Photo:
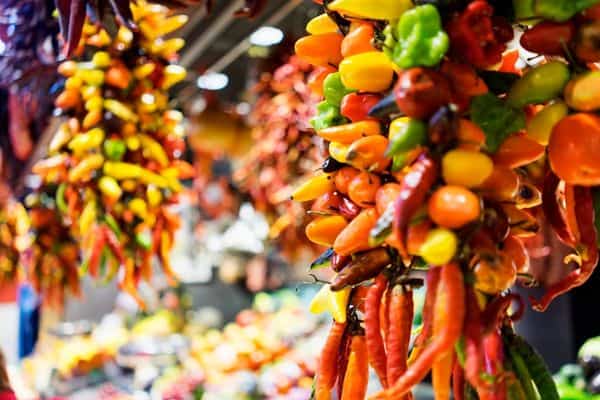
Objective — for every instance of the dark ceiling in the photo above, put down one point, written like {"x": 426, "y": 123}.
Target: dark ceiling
{"x": 210, "y": 38}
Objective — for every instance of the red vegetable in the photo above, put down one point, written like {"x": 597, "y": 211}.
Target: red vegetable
{"x": 327, "y": 367}
{"x": 548, "y": 38}
{"x": 400, "y": 317}
{"x": 375, "y": 346}
{"x": 356, "y": 106}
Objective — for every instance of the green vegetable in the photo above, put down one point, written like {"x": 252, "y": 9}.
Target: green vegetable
{"x": 399, "y": 161}
{"x": 523, "y": 374}
{"x": 112, "y": 224}
{"x": 539, "y": 85}
{"x": 592, "y": 346}
{"x": 114, "y": 149}
{"x": 418, "y": 39}
{"x": 334, "y": 90}
{"x": 567, "y": 392}
{"x": 59, "y": 198}
{"x": 459, "y": 348}
{"x": 524, "y": 9}
{"x": 383, "y": 227}
{"x": 521, "y": 351}
{"x": 406, "y": 134}
{"x": 497, "y": 119}
{"x": 324, "y": 260}
{"x": 144, "y": 239}
{"x": 327, "y": 115}
{"x": 561, "y": 10}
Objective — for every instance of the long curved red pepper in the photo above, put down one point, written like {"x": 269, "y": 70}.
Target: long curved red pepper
{"x": 398, "y": 340}
{"x": 96, "y": 253}
{"x": 431, "y": 283}
{"x": 494, "y": 360}
{"x": 588, "y": 249}
{"x": 473, "y": 332}
{"x": 552, "y": 211}
{"x": 458, "y": 381}
{"x": 495, "y": 311}
{"x": 375, "y": 346}
{"x": 453, "y": 282}
{"x": 414, "y": 187}
{"x": 327, "y": 367}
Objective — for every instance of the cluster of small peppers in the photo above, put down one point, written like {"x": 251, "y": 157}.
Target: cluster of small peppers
{"x": 115, "y": 159}
{"x": 14, "y": 228}
{"x": 283, "y": 152}
{"x": 51, "y": 256}
{"x": 444, "y": 158}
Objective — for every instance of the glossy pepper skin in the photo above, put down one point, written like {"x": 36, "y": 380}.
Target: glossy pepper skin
{"x": 478, "y": 36}
{"x": 560, "y": 10}
{"x": 418, "y": 39}
{"x": 328, "y": 115}
{"x": 356, "y": 106}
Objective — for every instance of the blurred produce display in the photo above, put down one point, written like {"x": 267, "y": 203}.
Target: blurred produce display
{"x": 283, "y": 152}
{"x": 115, "y": 159}
{"x": 447, "y": 150}
{"x": 581, "y": 381}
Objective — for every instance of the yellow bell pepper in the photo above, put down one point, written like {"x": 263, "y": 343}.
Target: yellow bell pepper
{"x": 153, "y": 150}
{"x": 122, "y": 170}
{"x": 369, "y": 72}
{"x": 339, "y": 151}
{"x": 82, "y": 171}
{"x": 89, "y": 140}
{"x": 313, "y": 188}
{"x": 371, "y": 9}
{"x": 321, "y": 24}
{"x": 110, "y": 188}
{"x": 87, "y": 218}
{"x": 333, "y": 302}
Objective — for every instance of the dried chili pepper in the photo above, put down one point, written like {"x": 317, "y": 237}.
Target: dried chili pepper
{"x": 363, "y": 267}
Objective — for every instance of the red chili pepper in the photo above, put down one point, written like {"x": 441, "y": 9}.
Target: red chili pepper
{"x": 414, "y": 187}
{"x": 478, "y": 36}
{"x": 494, "y": 360}
{"x": 431, "y": 283}
{"x": 401, "y": 318}
{"x": 551, "y": 206}
{"x": 339, "y": 262}
{"x": 473, "y": 332}
{"x": 458, "y": 381}
{"x": 327, "y": 367}
{"x": 548, "y": 37}
{"x": 114, "y": 245}
{"x": 587, "y": 249}
{"x": 342, "y": 360}
{"x": 452, "y": 281}
{"x": 375, "y": 346}
{"x": 348, "y": 209}
{"x": 495, "y": 312}
{"x": 357, "y": 372}
{"x": 356, "y": 106}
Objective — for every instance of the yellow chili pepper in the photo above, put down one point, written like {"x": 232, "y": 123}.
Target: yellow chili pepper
{"x": 87, "y": 92}
{"x": 94, "y": 103}
{"x": 122, "y": 170}
{"x": 369, "y": 72}
{"x": 313, "y": 188}
{"x": 321, "y": 24}
{"x": 91, "y": 119}
{"x": 120, "y": 110}
{"x": 60, "y": 138}
{"x": 89, "y": 140}
{"x": 124, "y": 37}
{"x": 150, "y": 178}
{"x": 372, "y": 9}
{"x": 87, "y": 218}
{"x": 93, "y": 77}
{"x": 168, "y": 25}
{"x": 110, "y": 188}
{"x": 172, "y": 74}
{"x": 133, "y": 143}
{"x": 172, "y": 177}
{"x": 82, "y": 171}
{"x": 153, "y": 150}
{"x": 138, "y": 207}
{"x": 333, "y": 302}
{"x": 101, "y": 59}
{"x": 339, "y": 151}
{"x": 153, "y": 195}
{"x": 144, "y": 70}
{"x": 540, "y": 126}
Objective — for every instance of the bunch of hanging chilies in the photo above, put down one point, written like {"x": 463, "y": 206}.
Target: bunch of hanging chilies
{"x": 444, "y": 158}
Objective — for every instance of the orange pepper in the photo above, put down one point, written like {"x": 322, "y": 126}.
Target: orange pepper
{"x": 363, "y": 189}
{"x": 518, "y": 150}
{"x": 369, "y": 153}
{"x": 343, "y": 177}
{"x": 502, "y": 184}
{"x": 359, "y": 40}
{"x": 386, "y": 195}
{"x": 316, "y": 78}
{"x": 349, "y": 133}
{"x": 324, "y": 230}
{"x": 355, "y": 236}
{"x": 470, "y": 135}
{"x": 118, "y": 76}
{"x": 321, "y": 50}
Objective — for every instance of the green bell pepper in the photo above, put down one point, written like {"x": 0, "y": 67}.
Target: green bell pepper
{"x": 406, "y": 134}
{"x": 418, "y": 39}
{"x": 327, "y": 115}
{"x": 334, "y": 90}
{"x": 114, "y": 149}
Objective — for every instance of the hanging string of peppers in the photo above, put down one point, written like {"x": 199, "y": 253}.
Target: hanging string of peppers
{"x": 443, "y": 158}
{"x": 283, "y": 152}
{"x": 115, "y": 160}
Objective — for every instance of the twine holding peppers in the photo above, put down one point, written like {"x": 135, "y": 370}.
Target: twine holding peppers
{"x": 115, "y": 160}
{"x": 444, "y": 157}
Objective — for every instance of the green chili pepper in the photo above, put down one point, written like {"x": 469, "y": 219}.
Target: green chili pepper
{"x": 144, "y": 239}
{"x": 334, "y": 90}
{"x": 539, "y": 85}
{"x": 418, "y": 39}
{"x": 406, "y": 134}
{"x": 327, "y": 115}
{"x": 114, "y": 149}
{"x": 324, "y": 260}
{"x": 59, "y": 198}
{"x": 561, "y": 10}
{"x": 112, "y": 224}
{"x": 524, "y": 9}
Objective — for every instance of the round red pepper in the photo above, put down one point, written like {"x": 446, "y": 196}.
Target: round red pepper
{"x": 356, "y": 106}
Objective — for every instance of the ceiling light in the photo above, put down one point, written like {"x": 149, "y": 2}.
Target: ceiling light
{"x": 213, "y": 81}
{"x": 266, "y": 36}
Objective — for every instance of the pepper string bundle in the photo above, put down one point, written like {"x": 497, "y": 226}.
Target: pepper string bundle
{"x": 444, "y": 158}
{"x": 14, "y": 227}
{"x": 283, "y": 153}
{"x": 115, "y": 159}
